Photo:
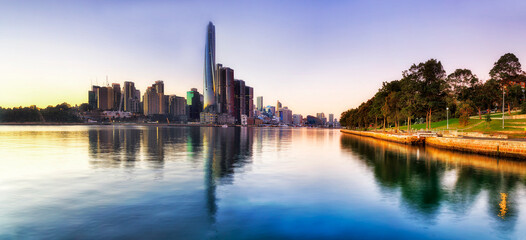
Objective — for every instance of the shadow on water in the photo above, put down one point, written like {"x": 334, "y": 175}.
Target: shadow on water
{"x": 432, "y": 180}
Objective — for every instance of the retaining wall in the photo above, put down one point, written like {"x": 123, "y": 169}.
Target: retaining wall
{"x": 516, "y": 149}
{"x": 405, "y": 139}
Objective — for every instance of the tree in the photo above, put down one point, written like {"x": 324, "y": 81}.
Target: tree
{"x": 461, "y": 84}
{"x": 430, "y": 77}
{"x": 506, "y": 69}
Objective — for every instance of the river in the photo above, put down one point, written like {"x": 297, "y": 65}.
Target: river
{"x": 147, "y": 182}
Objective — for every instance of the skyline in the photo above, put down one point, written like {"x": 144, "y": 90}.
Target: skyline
{"x": 53, "y": 51}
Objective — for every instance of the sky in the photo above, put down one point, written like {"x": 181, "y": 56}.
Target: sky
{"x": 313, "y": 56}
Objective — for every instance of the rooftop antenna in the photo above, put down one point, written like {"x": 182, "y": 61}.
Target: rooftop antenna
{"x": 107, "y": 83}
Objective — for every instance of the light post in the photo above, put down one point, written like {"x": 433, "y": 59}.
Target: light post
{"x": 502, "y": 107}
{"x": 447, "y": 117}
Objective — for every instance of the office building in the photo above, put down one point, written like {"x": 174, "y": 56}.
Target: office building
{"x": 177, "y": 107}
{"x": 297, "y": 119}
{"x": 194, "y": 104}
{"x": 131, "y": 98}
{"x": 239, "y": 99}
{"x": 278, "y": 107}
{"x": 209, "y": 74}
{"x": 117, "y": 96}
{"x": 249, "y": 101}
{"x": 104, "y": 98}
{"x": 285, "y": 115}
{"x": 154, "y": 100}
{"x": 259, "y": 105}
{"x": 92, "y": 97}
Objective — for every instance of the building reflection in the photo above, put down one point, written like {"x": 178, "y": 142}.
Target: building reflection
{"x": 113, "y": 147}
{"x": 430, "y": 179}
{"x": 220, "y": 151}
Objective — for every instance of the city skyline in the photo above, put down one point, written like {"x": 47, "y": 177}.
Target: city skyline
{"x": 52, "y": 52}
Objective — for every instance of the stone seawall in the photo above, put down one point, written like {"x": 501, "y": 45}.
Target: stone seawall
{"x": 405, "y": 139}
{"x": 515, "y": 149}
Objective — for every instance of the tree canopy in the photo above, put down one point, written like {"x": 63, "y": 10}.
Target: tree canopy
{"x": 425, "y": 91}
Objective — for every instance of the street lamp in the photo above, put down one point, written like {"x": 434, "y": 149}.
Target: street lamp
{"x": 502, "y": 107}
{"x": 447, "y": 117}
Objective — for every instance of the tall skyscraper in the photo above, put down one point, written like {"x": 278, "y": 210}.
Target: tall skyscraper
{"x": 154, "y": 100}
{"x": 239, "y": 102}
{"x": 131, "y": 98}
{"x": 260, "y": 103}
{"x": 209, "y": 75}
{"x": 278, "y": 107}
{"x": 104, "y": 98}
{"x": 229, "y": 91}
{"x": 249, "y": 101}
{"x": 92, "y": 97}
{"x": 116, "y": 96}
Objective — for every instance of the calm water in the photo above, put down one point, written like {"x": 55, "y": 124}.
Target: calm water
{"x": 90, "y": 182}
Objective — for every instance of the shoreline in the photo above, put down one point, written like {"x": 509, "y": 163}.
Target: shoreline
{"x": 140, "y": 124}
{"x": 115, "y": 124}
{"x": 488, "y": 147}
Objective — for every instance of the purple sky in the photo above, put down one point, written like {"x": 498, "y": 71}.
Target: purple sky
{"x": 314, "y": 56}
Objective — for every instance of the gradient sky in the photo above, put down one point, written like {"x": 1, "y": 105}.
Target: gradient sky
{"x": 314, "y": 56}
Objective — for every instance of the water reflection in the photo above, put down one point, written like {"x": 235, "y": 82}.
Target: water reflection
{"x": 431, "y": 181}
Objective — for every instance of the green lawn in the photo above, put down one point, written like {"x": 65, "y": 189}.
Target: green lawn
{"x": 475, "y": 125}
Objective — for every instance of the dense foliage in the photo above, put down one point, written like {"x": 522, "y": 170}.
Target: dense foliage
{"x": 60, "y": 113}
{"x": 425, "y": 92}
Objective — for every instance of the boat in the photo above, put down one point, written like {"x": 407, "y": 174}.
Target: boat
{"x": 224, "y": 126}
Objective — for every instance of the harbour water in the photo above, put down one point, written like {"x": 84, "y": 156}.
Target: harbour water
{"x": 147, "y": 182}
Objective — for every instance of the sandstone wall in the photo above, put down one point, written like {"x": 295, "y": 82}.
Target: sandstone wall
{"x": 405, "y": 139}
{"x": 504, "y": 148}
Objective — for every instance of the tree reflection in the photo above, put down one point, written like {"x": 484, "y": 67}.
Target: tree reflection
{"x": 430, "y": 179}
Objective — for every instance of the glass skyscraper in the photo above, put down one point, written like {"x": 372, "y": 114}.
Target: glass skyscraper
{"x": 209, "y": 91}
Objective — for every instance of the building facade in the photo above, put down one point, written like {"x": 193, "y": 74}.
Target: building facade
{"x": 209, "y": 74}
{"x": 194, "y": 105}
{"x": 259, "y": 105}
{"x": 154, "y": 101}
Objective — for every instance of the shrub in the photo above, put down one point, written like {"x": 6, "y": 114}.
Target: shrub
{"x": 465, "y": 111}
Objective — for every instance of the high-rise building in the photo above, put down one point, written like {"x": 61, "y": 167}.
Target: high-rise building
{"x": 249, "y": 101}
{"x": 92, "y": 97}
{"x": 209, "y": 75}
{"x": 239, "y": 99}
{"x": 278, "y": 107}
{"x": 260, "y": 103}
{"x": 219, "y": 84}
{"x": 229, "y": 91}
{"x": 154, "y": 99}
{"x": 193, "y": 102}
{"x": 116, "y": 96}
{"x": 285, "y": 115}
{"x": 322, "y": 118}
{"x": 297, "y": 119}
{"x": 104, "y": 98}
{"x": 131, "y": 98}
{"x": 177, "y": 107}
{"x": 331, "y": 118}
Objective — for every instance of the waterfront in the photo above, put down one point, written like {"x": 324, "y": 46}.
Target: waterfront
{"x": 101, "y": 182}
